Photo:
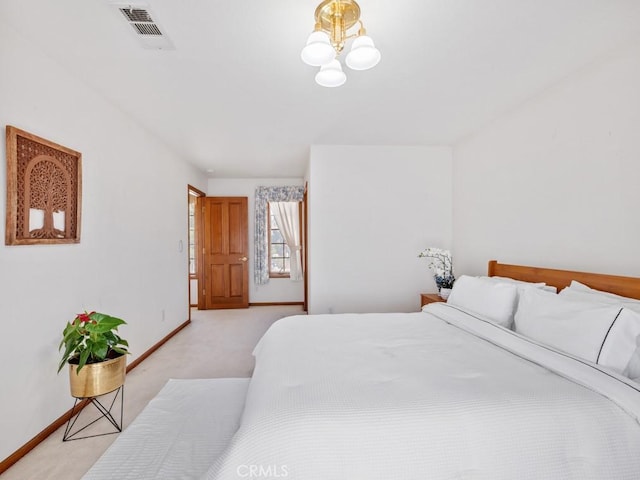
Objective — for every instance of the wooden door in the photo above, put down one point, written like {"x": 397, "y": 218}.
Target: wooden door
{"x": 225, "y": 253}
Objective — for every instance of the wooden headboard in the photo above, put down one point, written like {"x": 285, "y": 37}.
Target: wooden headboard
{"x": 625, "y": 286}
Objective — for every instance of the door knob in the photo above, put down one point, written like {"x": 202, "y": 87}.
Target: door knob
{"x": 243, "y": 259}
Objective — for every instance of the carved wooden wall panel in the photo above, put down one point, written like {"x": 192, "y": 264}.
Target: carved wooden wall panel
{"x": 44, "y": 191}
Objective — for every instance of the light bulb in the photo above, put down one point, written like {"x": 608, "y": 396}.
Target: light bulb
{"x": 363, "y": 54}
{"x": 318, "y": 50}
{"x": 331, "y": 75}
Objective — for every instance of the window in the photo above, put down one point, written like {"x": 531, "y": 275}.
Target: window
{"x": 262, "y": 260}
{"x": 279, "y": 254}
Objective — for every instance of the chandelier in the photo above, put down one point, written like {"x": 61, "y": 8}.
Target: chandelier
{"x": 334, "y": 18}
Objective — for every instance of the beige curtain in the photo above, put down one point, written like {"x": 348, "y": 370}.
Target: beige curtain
{"x": 287, "y": 215}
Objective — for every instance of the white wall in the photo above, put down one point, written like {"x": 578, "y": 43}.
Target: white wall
{"x": 128, "y": 264}
{"x": 556, "y": 182}
{"x": 278, "y": 289}
{"x": 372, "y": 210}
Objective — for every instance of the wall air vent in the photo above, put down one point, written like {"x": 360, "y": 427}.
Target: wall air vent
{"x": 145, "y": 27}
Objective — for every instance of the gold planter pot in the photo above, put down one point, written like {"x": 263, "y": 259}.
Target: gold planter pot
{"x": 97, "y": 379}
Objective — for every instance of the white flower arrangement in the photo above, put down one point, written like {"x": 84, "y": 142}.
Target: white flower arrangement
{"x": 441, "y": 265}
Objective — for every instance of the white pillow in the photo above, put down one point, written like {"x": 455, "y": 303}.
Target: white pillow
{"x": 579, "y": 291}
{"x": 633, "y": 367}
{"x": 522, "y": 284}
{"x": 621, "y": 349}
{"x": 621, "y": 345}
{"x": 578, "y": 328}
{"x": 494, "y": 301}
{"x": 581, "y": 287}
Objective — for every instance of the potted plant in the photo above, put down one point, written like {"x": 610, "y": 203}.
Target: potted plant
{"x": 96, "y": 354}
{"x": 442, "y": 267}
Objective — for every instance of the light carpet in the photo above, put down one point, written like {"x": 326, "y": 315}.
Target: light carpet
{"x": 217, "y": 344}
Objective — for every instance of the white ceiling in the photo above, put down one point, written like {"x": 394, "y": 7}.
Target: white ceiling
{"x": 234, "y": 96}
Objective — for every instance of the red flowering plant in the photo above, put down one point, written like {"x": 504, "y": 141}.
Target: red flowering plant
{"x": 92, "y": 338}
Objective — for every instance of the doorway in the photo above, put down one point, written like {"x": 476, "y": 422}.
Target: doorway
{"x": 192, "y": 198}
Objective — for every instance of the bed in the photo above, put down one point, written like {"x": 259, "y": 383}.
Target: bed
{"x": 440, "y": 394}
{"x": 446, "y": 393}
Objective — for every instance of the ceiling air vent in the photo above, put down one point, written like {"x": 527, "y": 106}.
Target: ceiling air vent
{"x": 145, "y": 28}
{"x": 136, "y": 15}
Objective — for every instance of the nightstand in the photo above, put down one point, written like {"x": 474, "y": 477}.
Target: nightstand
{"x": 426, "y": 298}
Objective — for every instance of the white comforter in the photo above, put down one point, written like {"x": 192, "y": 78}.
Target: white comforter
{"x": 432, "y": 395}
{"x": 177, "y": 434}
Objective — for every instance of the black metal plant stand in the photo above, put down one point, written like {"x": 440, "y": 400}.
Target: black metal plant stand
{"x": 104, "y": 413}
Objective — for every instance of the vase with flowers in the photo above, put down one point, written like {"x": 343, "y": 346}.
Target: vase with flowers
{"x": 96, "y": 354}
{"x": 441, "y": 265}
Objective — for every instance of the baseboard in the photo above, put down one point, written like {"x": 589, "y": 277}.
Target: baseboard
{"x": 31, "y": 444}
{"x": 273, "y": 304}
{"x": 146, "y": 354}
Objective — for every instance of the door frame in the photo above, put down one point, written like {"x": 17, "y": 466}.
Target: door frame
{"x": 193, "y": 192}
{"x": 305, "y": 246}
